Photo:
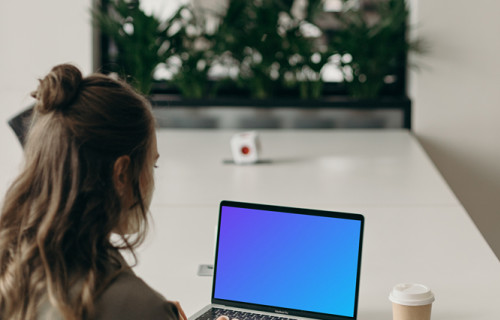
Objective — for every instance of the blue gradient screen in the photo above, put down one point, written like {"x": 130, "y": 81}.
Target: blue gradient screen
{"x": 288, "y": 260}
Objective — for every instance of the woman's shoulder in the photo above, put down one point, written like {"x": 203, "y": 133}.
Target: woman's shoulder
{"x": 128, "y": 297}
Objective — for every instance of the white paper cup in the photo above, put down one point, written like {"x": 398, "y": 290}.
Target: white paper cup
{"x": 411, "y": 301}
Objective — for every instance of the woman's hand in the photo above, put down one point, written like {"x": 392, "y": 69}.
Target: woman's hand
{"x": 182, "y": 314}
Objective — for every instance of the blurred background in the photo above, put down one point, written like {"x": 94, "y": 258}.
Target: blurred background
{"x": 453, "y": 91}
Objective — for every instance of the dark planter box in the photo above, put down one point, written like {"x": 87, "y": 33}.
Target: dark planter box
{"x": 278, "y": 112}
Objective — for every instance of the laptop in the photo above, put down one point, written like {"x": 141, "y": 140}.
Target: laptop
{"x": 276, "y": 262}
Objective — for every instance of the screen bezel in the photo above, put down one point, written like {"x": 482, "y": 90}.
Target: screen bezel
{"x": 280, "y": 310}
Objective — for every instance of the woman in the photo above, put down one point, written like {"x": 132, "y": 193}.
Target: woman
{"x": 88, "y": 175}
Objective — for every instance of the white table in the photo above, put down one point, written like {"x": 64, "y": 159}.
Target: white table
{"x": 308, "y": 168}
{"x": 416, "y": 230}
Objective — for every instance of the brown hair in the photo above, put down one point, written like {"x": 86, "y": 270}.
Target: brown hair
{"x": 59, "y": 214}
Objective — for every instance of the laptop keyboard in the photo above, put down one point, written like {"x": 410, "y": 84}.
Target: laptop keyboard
{"x": 214, "y": 313}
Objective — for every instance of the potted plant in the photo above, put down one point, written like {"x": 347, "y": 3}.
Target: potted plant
{"x": 265, "y": 40}
{"x": 192, "y": 52}
{"x": 372, "y": 44}
{"x": 266, "y": 51}
{"x": 138, "y": 41}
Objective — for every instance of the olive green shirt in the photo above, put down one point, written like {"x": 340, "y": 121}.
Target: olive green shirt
{"x": 128, "y": 297}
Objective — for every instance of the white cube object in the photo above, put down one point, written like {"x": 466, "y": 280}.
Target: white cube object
{"x": 245, "y": 147}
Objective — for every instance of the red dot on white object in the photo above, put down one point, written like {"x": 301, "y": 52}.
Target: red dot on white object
{"x": 245, "y": 150}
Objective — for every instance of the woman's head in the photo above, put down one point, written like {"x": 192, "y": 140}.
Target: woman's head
{"x": 88, "y": 173}
{"x": 82, "y": 127}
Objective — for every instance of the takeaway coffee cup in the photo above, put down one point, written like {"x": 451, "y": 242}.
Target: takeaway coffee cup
{"x": 411, "y": 301}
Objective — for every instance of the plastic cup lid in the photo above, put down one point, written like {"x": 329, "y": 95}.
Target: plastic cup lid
{"x": 411, "y": 294}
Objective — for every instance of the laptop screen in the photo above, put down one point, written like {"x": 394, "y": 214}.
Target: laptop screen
{"x": 288, "y": 258}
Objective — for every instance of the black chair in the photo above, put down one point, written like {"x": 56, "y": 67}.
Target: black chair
{"x": 21, "y": 123}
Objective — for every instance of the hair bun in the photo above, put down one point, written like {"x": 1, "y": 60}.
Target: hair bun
{"x": 58, "y": 89}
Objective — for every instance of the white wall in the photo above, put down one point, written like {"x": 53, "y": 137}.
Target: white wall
{"x": 457, "y": 103}
{"x": 34, "y": 36}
